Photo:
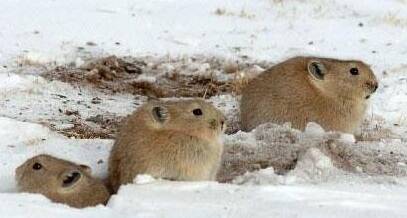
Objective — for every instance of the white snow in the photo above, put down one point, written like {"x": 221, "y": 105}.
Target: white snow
{"x": 170, "y": 199}
{"x": 38, "y": 35}
{"x": 13, "y": 82}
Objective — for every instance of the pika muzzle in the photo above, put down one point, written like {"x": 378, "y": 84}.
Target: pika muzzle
{"x": 372, "y": 86}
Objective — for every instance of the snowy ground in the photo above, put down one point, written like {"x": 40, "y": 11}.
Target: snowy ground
{"x": 36, "y": 36}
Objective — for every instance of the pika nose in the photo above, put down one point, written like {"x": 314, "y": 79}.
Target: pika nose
{"x": 372, "y": 85}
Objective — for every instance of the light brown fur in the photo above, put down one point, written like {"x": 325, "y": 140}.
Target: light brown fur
{"x": 51, "y": 181}
{"x": 288, "y": 92}
{"x": 177, "y": 146}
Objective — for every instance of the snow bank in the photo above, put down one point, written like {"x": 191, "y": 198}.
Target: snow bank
{"x": 180, "y": 199}
{"x": 21, "y": 141}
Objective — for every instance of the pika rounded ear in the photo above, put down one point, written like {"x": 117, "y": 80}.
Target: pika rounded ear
{"x": 160, "y": 113}
{"x": 316, "y": 69}
{"x": 85, "y": 168}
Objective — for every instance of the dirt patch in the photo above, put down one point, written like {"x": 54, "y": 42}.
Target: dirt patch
{"x": 178, "y": 85}
{"x": 237, "y": 160}
{"x": 159, "y": 78}
{"x": 281, "y": 147}
{"x": 359, "y": 158}
{"x": 155, "y": 77}
{"x": 270, "y": 145}
{"x": 98, "y": 126}
{"x": 81, "y": 130}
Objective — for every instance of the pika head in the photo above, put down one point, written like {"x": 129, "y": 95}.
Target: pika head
{"x": 61, "y": 181}
{"x": 341, "y": 78}
{"x": 194, "y": 117}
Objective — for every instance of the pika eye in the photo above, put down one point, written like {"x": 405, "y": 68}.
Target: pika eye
{"x": 197, "y": 112}
{"x": 37, "y": 166}
{"x": 354, "y": 71}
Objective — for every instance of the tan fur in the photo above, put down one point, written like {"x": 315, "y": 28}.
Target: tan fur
{"x": 182, "y": 146}
{"x": 288, "y": 92}
{"x": 49, "y": 181}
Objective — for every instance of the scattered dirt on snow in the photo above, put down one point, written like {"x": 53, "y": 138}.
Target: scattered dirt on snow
{"x": 98, "y": 126}
{"x": 153, "y": 77}
{"x": 281, "y": 147}
{"x": 159, "y": 77}
{"x": 374, "y": 128}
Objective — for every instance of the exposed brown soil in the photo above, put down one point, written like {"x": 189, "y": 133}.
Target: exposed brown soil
{"x": 151, "y": 77}
{"x": 122, "y": 75}
{"x": 98, "y": 126}
{"x": 237, "y": 160}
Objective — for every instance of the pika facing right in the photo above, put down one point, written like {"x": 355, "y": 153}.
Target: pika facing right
{"x": 176, "y": 140}
{"x": 330, "y": 92}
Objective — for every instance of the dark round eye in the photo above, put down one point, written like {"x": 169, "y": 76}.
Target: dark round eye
{"x": 197, "y": 112}
{"x": 354, "y": 71}
{"x": 37, "y": 166}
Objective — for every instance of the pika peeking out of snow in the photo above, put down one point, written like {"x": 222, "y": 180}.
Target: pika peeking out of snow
{"x": 330, "y": 92}
{"x": 61, "y": 181}
{"x": 176, "y": 140}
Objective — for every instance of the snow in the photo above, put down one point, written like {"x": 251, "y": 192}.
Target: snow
{"x": 196, "y": 200}
{"x": 38, "y": 35}
{"x": 35, "y": 99}
{"x": 162, "y": 199}
{"x": 13, "y": 82}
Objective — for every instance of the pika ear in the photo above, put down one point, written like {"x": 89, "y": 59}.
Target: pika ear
{"x": 316, "y": 69}
{"x": 160, "y": 113}
{"x": 85, "y": 168}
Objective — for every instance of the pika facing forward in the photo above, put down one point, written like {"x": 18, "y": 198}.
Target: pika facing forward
{"x": 330, "y": 92}
{"x": 175, "y": 140}
{"x": 61, "y": 181}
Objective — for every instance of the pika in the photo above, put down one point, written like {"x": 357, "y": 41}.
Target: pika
{"x": 330, "y": 92}
{"x": 174, "y": 140}
{"x": 61, "y": 181}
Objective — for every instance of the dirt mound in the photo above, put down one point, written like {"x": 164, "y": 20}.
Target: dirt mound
{"x": 280, "y": 147}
